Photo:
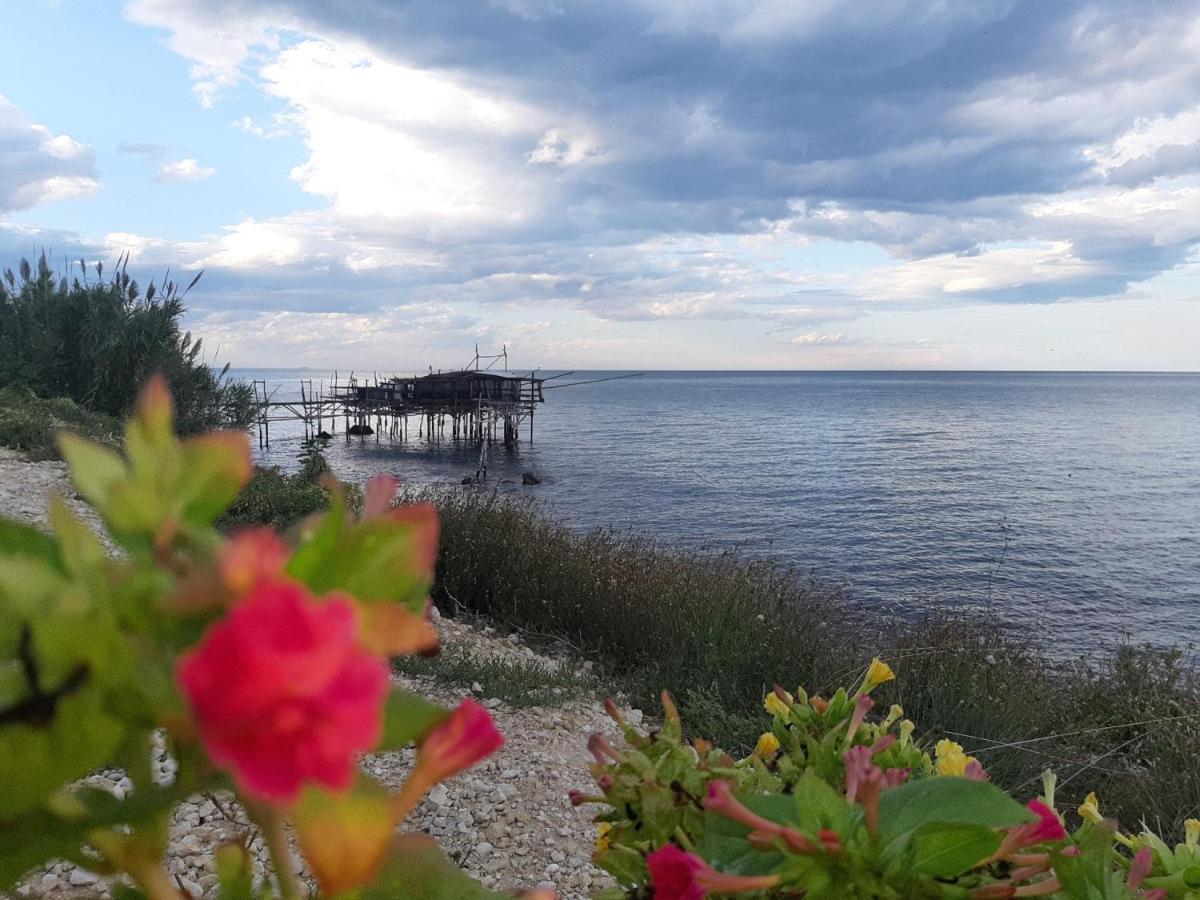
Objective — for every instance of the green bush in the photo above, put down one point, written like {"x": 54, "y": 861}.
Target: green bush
{"x": 96, "y": 342}
{"x": 29, "y": 423}
{"x": 274, "y": 498}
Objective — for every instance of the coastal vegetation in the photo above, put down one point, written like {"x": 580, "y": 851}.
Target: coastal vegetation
{"x": 281, "y": 499}
{"x": 93, "y": 340}
{"x": 718, "y": 629}
{"x": 28, "y": 422}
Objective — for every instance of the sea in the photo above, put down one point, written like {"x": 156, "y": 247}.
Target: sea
{"x": 1066, "y": 503}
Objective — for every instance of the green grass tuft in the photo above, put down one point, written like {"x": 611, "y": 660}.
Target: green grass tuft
{"x": 518, "y": 683}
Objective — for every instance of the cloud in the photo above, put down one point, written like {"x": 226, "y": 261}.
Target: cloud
{"x": 38, "y": 166}
{"x": 186, "y": 169}
{"x": 150, "y": 152}
{"x": 790, "y": 169}
{"x": 815, "y": 338}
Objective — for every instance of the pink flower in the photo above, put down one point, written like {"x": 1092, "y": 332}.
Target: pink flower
{"x": 862, "y": 705}
{"x": 462, "y": 740}
{"x": 283, "y": 693}
{"x": 677, "y": 875}
{"x": 250, "y": 557}
{"x": 1139, "y": 869}
{"x": 1047, "y": 828}
{"x": 673, "y": 874}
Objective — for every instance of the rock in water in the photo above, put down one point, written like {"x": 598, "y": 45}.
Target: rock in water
{"x": 529, "y": 478}
{"x": 360, "y": 430}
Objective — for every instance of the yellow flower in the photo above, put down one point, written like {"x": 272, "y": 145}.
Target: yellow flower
{"x": 768, "y": 745}
{"x": 894, "y": 714}
{"x": 907, "y": 727}
{"x": 776, "y": 705}
{"x": 951, "y": 758}
{"x": 1089, "y": 810}
{"x": 1191, "y": 830}
{"x": 603, "y": 836}
{"x": 877, "y": 674}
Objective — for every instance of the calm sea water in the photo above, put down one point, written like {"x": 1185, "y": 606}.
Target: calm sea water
{"x": 1069, "y": 503}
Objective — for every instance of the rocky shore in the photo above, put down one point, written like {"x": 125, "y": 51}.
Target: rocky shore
{"x": 508, "y": 821}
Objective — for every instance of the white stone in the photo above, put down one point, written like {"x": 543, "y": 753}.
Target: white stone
{"x": 80, "y": 877}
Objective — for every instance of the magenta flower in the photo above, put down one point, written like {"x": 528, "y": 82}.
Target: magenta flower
{"x": 467, "y": 736}
{"x": 282, "y": 692}
{"x": 678, "y": 875}
{"x": 1047, "y": 828}
{"x": 673, "y": 874}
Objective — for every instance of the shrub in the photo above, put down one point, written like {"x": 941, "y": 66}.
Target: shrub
{"x": 29, "y": 423}
{"x": 280, "y": 500}
{"x": 274, "y": 498}
{"x": 839, "y": 801}
{"x": 96, "y": 342}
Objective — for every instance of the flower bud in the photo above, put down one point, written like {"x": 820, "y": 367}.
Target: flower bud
{"x": 768, "y": 745}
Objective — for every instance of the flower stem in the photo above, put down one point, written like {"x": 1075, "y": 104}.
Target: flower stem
{"x": 156, "y": 883}
{"x": 270, "y": 823}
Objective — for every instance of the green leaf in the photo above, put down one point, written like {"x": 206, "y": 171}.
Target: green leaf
{"x": 817, "y": 805}
{"x": 408, "y": 717}
{"x": 1089, "y": 874}
{"x": 235, "y": 872}
{"x": 94, "y": 468}
{"x": 947, "y": 851}
{"x": 21, "y": 540}
{"x": 624, "y": 864}
{"x": 216, "y": 467}
{"x": 375, "y": 560}
{"x": 31, "y": 839}
{"x": 944, "y": 801}
{"x": 318, "y": 539}
{"x": 418, "y": 870}
{"x": 723, "y": 844}
{"x": 37, "y": 759}
{"x": 81, "y": 549}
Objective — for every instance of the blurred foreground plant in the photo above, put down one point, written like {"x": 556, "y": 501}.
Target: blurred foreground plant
{"x": 834, "y": 803}
{"x": 264, "y": 664}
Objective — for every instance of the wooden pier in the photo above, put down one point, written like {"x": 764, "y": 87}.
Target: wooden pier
{"x": 475, "y": 405}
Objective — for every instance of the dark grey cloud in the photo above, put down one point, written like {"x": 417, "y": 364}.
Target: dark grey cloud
{"x": 928, "y": 128}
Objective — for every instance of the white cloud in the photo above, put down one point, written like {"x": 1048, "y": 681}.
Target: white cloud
{"x": 186, "y": 169}
{"x": 558, "y": 148}
{"x": 814, "y": 338}
{"x": 38, "y": 166}
{"x": 390, "y": 140}
{"x": 991, "y": 270}
{"x": 216, "y": 39}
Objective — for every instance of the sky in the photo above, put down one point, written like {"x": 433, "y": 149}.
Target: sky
{"x": 664, "y": 184}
